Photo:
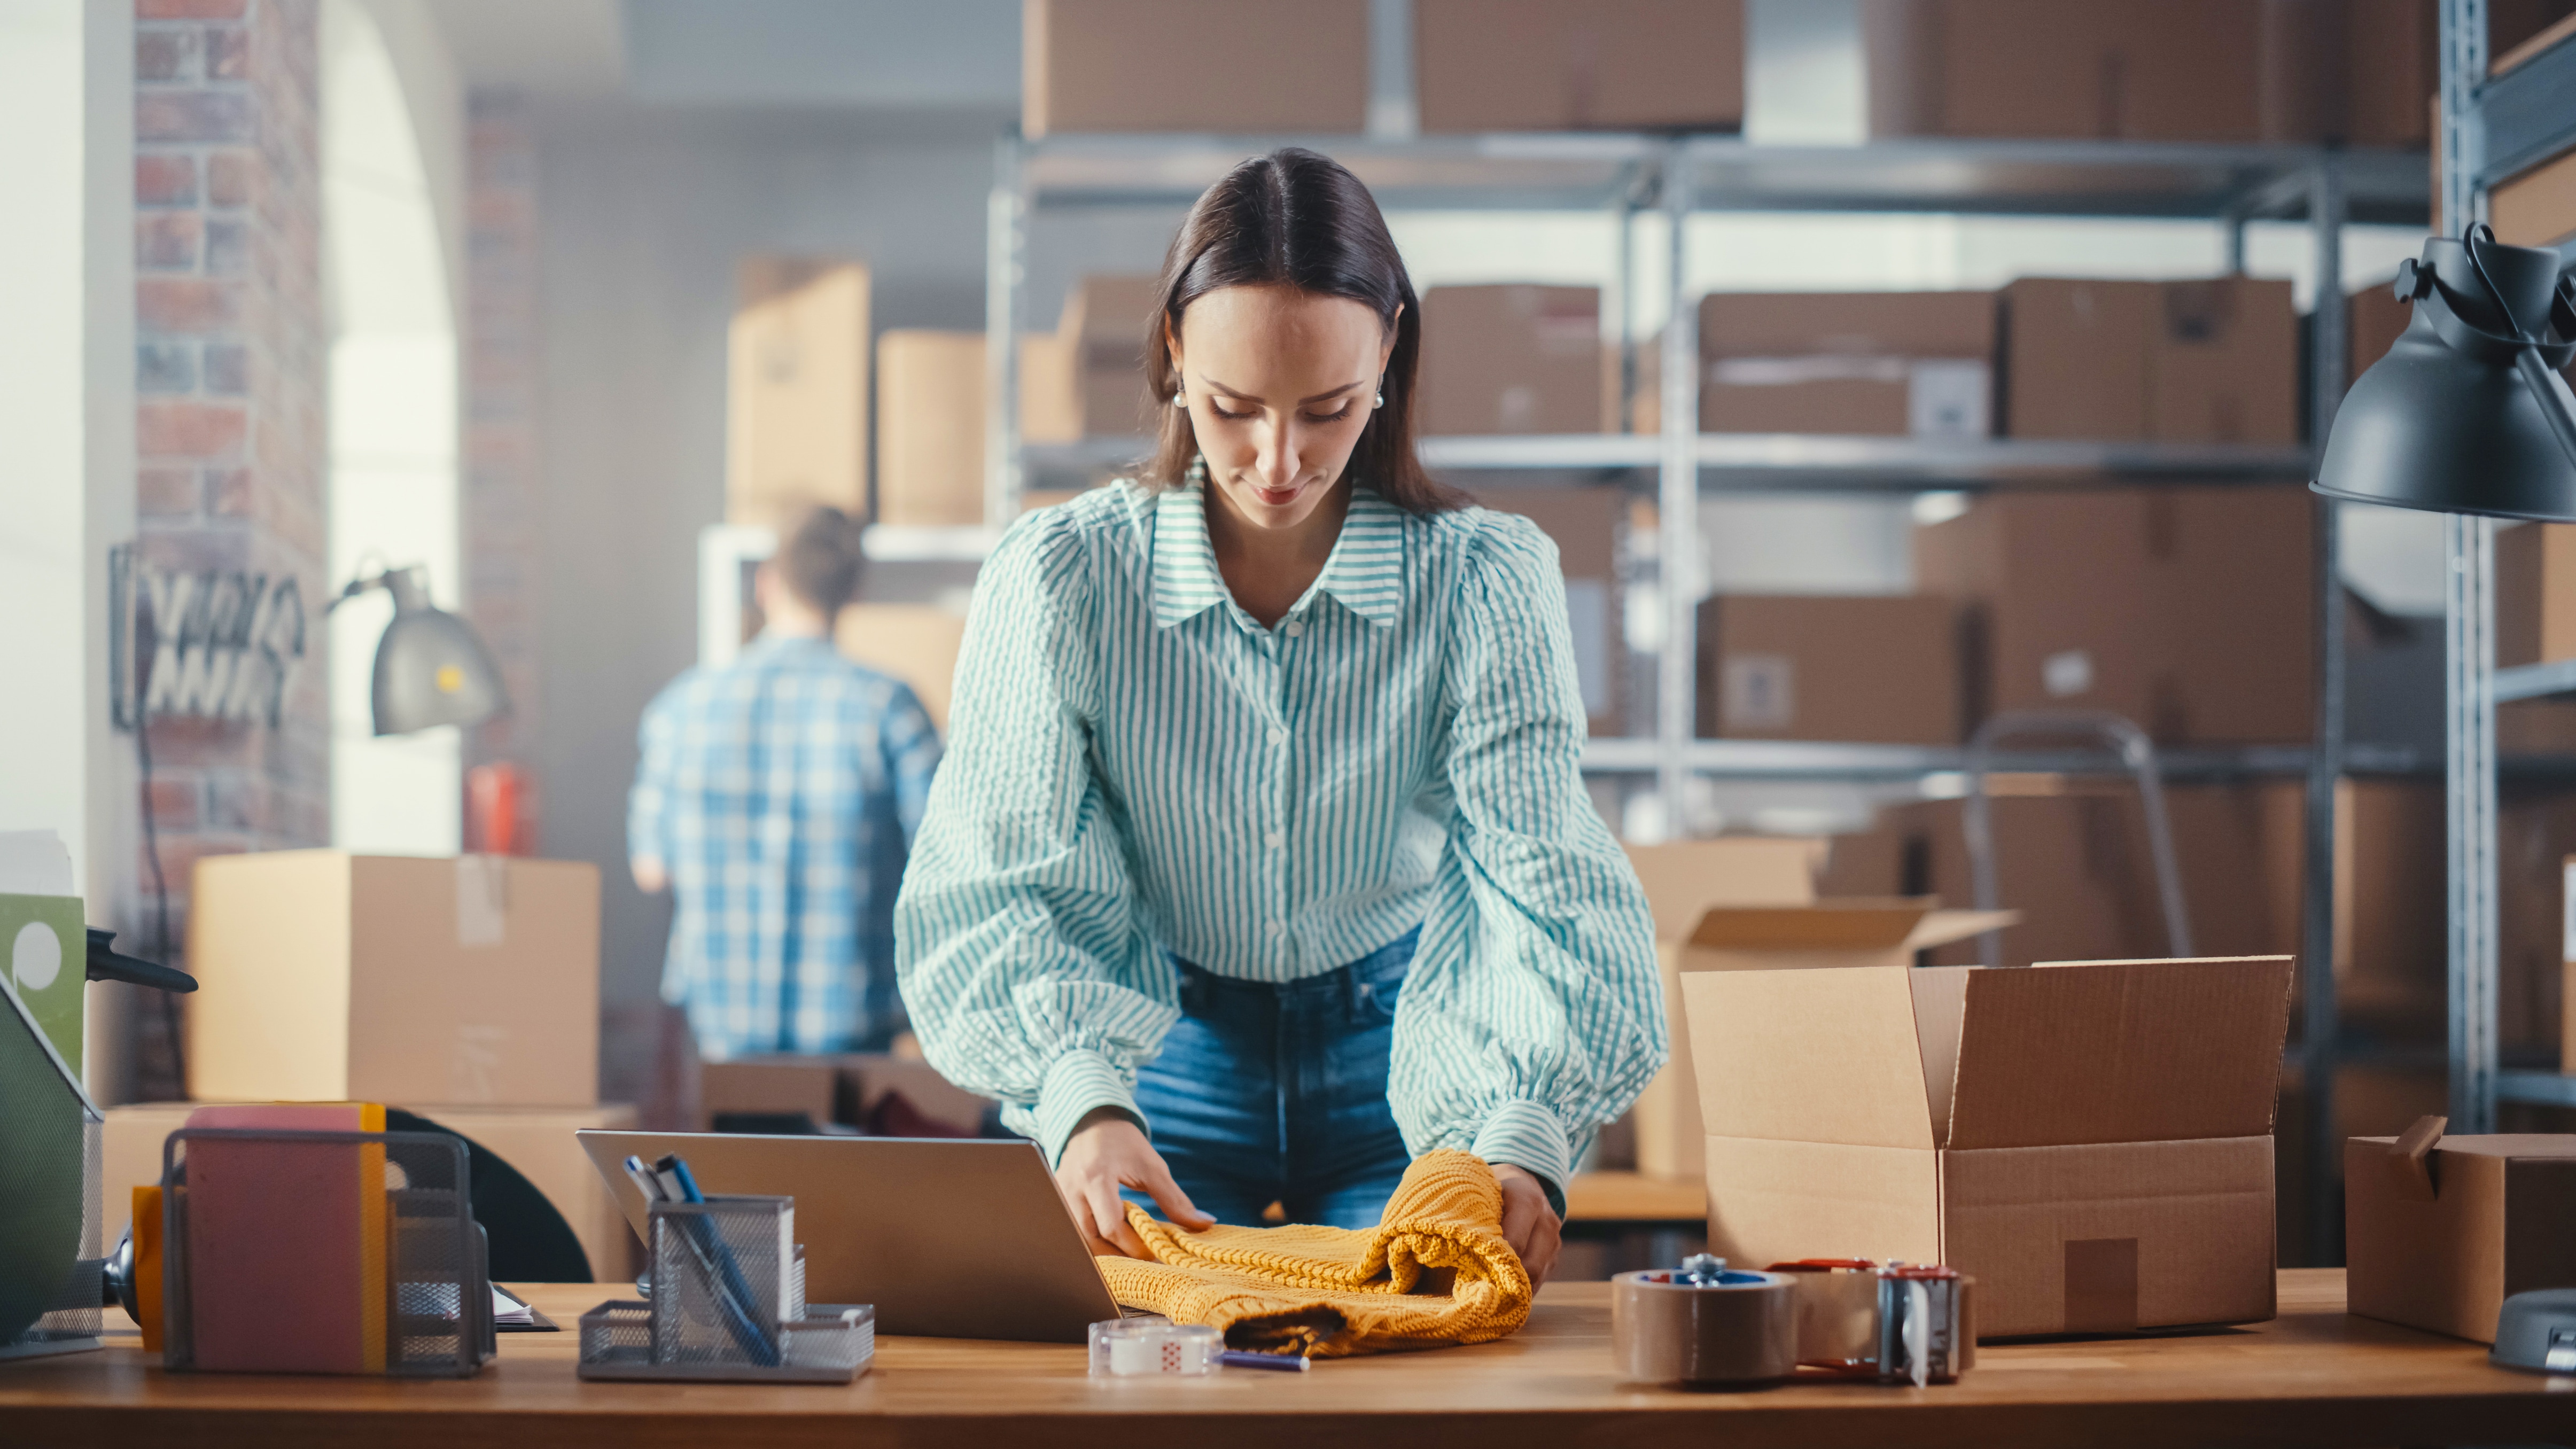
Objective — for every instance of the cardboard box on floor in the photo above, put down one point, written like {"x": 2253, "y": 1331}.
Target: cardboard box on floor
{"x": 325, "y": 976}
{"x": 1584, "y": 525}
{"x": 1729, "y": 903}
{"x": 2091, "y": 1141}
{"x": 1515, "y": 358}
{"x": 796, "y": 391}
{"x": 1813, "y": 667}
{"x": 2188, "y": 610}
{"x": 1572, "y": 65}
{"x": 538, "y": 1141}
{"x": 916, "y": 643}
{"x": 849, "y": 1089}
{"x": 1162, "y": 65}
{"x": 1888, "y": 364}
{"x": 2439, "y": 1231}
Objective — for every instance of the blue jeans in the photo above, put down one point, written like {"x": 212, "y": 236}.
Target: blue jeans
{"x": 1277, "y": 1093}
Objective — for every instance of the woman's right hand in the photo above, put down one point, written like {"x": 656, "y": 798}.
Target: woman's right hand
{"x": 1108, "y": 1152}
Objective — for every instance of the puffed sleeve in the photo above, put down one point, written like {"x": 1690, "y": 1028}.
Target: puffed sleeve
{"x": 1024, "y": 967}
{"x": 1534, "y": 1012}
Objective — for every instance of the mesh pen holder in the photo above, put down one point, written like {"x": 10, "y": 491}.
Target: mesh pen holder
{"x": 728, "y": 1304}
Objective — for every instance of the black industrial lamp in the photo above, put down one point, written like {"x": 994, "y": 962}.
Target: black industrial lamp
{"x": 430, "y": 667}
{"x": 2443, "y": 422}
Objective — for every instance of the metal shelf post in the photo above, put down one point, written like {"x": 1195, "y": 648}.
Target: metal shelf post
{"x": 1677, "y": 500}
{"x": 2321, "y": 1025}
{"x": 1006, "y": 251}
{"x": 2469, "y": 783}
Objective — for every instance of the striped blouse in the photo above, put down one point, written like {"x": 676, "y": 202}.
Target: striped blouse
{"x": 1136, "y": 768}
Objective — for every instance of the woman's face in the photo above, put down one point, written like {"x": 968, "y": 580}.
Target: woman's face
{"x": 1279, "y": 384}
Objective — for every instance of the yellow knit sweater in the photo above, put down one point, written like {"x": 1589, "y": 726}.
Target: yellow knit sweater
{"x": 1435, "y": 1271}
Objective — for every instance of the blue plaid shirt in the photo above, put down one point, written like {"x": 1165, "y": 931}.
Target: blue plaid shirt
{"x": 781, "y": 792}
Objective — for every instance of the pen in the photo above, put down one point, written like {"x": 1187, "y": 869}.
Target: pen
{"x": 734, "y": 1298}
{"x": 1282, "y": 1363}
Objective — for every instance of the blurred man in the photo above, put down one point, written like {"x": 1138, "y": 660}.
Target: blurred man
{"x": 777, "y": 800}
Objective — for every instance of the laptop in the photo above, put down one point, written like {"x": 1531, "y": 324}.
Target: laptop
{"x": 949, "y": 1238}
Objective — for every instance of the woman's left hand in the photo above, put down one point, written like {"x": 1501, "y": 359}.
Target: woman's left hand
{"x": 1529, "y": 1224}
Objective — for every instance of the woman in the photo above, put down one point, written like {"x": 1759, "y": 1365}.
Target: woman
{"x": 1260, "y": 859}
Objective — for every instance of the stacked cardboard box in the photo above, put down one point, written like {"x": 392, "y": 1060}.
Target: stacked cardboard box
{"x": 930, "y": 419}
{"x": 916, "y": 643}
{"x": 2212, "y": 361}
{"x": 1165, "y": 65}
{"x": 2353, "y": 71}
{"x": 464, "y": 989}
{"x": 1585, "y": 525}
{"x": 1567, "y": 65}
{"x": 1102, "y": 341}
{"x": 885, "y": 1095}
{"x": 2535, "y": 589}
{"x": 1793, "y": 667}
{"x": 2188, "y": 610}
{"x": 1891, "y": 364}
{"x": 796, "y": 414}
{"x": 2373, "y": 320}
{"x": 1515, "y": 358}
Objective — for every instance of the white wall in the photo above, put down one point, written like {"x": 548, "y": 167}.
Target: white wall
{"x": 67, "y": 413}
{"x": 392, "y": 177}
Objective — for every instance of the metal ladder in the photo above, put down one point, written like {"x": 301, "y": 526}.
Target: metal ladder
{"x": 2136, "y": 752}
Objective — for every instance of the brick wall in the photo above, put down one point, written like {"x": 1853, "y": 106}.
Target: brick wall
{"x": 503, "y": 522}
{"x": 231, "y": 380}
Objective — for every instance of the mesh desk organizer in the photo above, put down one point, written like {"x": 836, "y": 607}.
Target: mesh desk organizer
{"x": 321, "y": 1252}
{"x": 728, "y": 1303}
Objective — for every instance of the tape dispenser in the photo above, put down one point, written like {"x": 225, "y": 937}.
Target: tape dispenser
{"x": 1895, "y": 1323}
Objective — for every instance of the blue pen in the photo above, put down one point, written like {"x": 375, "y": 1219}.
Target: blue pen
{"x": 734, "y": 1297}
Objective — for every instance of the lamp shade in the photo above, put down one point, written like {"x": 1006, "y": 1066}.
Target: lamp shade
{"x": 2463, "y": 415}
{"x": 430, "y": 668}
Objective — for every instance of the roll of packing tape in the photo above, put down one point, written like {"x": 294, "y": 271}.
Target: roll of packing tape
{"x": 1740, "y": 1331}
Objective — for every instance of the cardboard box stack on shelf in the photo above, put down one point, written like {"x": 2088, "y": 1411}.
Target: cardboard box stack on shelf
{"x": 916, "y": 643}
{"x": 463, "y": 989}
{"x": 1163, "y": 65}
{"x": 1102, "y": 336}
{"x": 2535, "y": 623}
{"x": 796, "y": 399}
{"x": 2189, "y": 610}
{"x": 1887, "y": 364}
{"x": 2093, "y": 1142}
{"x": 2358, "y": 72}
{"x": 1572, "y": 65}
{"x": 1585, "y": 524}
{"x": 930, "y": 419}
{"x": 2537, "y": 207}
{"x": 1793, "y": 667}
{"x": 1515, "y": 358}
{"x": 2210, "y": 361}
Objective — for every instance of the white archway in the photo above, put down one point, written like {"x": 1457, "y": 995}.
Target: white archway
{"x": 393, "y": 450}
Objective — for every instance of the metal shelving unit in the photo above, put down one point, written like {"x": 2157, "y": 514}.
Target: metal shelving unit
{"x": 2492, "y": 129}
{"x": 1677, "y": 177}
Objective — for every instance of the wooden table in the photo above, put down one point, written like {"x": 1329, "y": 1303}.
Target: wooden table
{"x": 2311, "y": 1377}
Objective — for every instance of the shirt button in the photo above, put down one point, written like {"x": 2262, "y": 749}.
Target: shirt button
{"x": 1295, "y": 628}
{"x": 1278, "y": 737}
{"x": 1278, "y": 839}
{"x": 1278, "y": 928}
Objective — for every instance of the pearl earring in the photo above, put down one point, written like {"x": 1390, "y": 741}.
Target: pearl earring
{"x": 1381, "y": 399}
{"x": 1180, "y": 401}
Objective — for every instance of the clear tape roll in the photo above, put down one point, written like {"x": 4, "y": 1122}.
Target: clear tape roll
{"x": 1735, "y": 1334}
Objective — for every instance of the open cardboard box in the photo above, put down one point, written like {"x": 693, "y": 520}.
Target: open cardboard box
{"x": 2090, "y": 1140}
{"x": 1750, "y": 901}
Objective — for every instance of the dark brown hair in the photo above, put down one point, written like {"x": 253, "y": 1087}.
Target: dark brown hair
{"x": 1296, "y": 218}
{"x": 820, "y": 561}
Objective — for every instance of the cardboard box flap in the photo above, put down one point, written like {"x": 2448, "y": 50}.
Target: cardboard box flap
{"x": 1840, "y": 925}
{"x": 1809, "y": 1056}
{"x": 1940, "y": 928}
{"x": 2120, "y": 1051}
{"x": 1685, "y": 878}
